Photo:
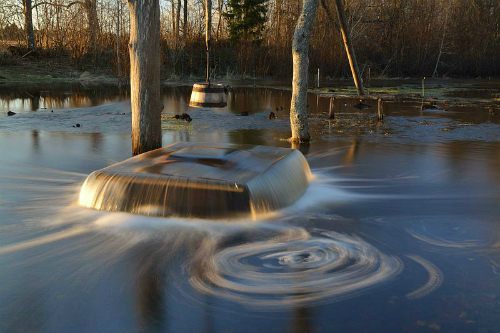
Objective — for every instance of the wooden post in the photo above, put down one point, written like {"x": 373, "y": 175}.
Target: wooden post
{"x": 380, "y": 109}
{"x": 331, "y": 113}
{"x": 208, "y": 30}
{"x": 318, "y": 79}
{"x": 144, "y": 49}
{"x": 369, "y": 79}
{"x": 339, "y": 4}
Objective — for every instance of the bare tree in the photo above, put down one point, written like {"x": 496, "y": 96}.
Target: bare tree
{"x": 90, "y": 7}
{"x": 173, "y": 17}
{"x": 391, "y": 37}
{"x": 118, "y": 55}
{"x": 177, "y": 22}
{"x": 184, "y": 23}
{"x": 28, "y": 25}
{"x": 145, "y": 74}
{"x": 300, "y": 50}
{"x": 346, "y": 37}
{"x": 208, "y": 34}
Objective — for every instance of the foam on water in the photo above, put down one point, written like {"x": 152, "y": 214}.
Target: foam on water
{"x": 54, "y": 194}
{"x": 435, "y": 278}
{"x": 259, "y": 260}
{"x": 293, "y": 268}
{"x": 453, "y": 234}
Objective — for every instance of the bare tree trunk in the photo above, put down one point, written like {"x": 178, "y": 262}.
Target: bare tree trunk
{"x": 177, "y": 23}
{"x": 28, "y": 25}
{"x": 278, "y": 20}
{"x": 93, "y": 23}
{"x": 300, "y": 50}
{"x": 219, "y": 8}
{"x": 347, "y": 42}
{"x": 208, "y": 33}
{"x": 173, "y": 17}
{"x": 118, "y": 60}
{"x": 435, "y": 73}
{"x": 145, "y": 74}
{"x": 184, "y": 27}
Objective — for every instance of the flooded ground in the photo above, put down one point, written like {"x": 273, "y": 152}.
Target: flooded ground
{"x": 398, "y": 232}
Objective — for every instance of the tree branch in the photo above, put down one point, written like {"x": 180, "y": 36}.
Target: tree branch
{"x": 58, "y": 5}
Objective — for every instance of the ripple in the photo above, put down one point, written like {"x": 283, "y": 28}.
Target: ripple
{"x": 293, "y": 268}
{"x": 450, "y": 233}
{"x": 434, "y": 282}
{"x": 453, "y": 233}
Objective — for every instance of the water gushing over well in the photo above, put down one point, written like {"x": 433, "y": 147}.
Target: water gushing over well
{"x": 200, "y": 180}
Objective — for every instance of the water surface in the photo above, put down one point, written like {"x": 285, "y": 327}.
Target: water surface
{"x": 399, "y": 230}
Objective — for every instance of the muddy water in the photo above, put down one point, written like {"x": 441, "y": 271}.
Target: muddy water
{"x": 399, "y": 230}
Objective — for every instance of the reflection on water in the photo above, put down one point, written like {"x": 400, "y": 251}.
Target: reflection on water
{"x": 33, "y": 97}
{"x": 398, "y": 232}
{"x": 28, "y": 98}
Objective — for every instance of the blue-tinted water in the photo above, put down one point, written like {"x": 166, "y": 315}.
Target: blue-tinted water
{"x": 399, "y": 231}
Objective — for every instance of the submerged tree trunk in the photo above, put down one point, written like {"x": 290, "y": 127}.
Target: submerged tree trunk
{"x": 145, "y": 74}
{"x": 300, "y": 50}
{"x": 28, "y": 25}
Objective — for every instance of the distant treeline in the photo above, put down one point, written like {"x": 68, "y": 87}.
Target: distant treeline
{"x": 392, "y": 38}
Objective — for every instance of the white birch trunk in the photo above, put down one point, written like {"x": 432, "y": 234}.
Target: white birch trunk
{"x": 145, "y": 74}
{"x": 300, "y": 50}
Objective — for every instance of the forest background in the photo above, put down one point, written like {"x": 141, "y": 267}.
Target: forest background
{"x": 392, "y": 38}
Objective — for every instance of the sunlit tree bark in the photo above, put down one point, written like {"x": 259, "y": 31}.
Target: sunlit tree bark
{"x": 353, "y": 63}
{"x": 300, "y": 49}
{"x": 145, "y": 74}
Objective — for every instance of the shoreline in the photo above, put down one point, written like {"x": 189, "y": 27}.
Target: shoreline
{"x": 55, "y": 71}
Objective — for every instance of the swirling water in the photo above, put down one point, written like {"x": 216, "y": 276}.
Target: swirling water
{"x": 389, "y": 237}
